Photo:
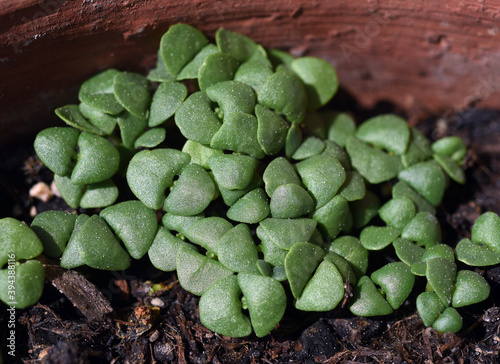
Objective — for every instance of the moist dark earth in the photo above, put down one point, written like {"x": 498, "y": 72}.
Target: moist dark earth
{"x": 125, "y": 323}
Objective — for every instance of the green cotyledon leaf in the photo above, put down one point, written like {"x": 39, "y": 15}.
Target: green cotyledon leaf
{"x": 300, "y": 264}
{"x": 191, "y": 193}
{"x": 319, "y": 78}
{"x": 221, "y": 309}
{"x": 266, "y": 300}
{"x": 134, "y": 223}
{"x": 53, "y": 228}
{"x": 151, "y": 172}
{"x": 17, "y": 240}
{"x": 55, "y": 147}
{"x": 27, "y": 285}
{"x": 179, "y": 45}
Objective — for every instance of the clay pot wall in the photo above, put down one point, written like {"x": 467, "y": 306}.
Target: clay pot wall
{"x": 424, "y": 56}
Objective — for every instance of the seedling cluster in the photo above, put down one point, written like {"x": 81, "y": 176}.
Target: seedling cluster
{"x": 271, "y": 196}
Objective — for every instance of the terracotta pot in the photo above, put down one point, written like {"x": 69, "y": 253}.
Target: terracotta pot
{"x": 424, "y": 56}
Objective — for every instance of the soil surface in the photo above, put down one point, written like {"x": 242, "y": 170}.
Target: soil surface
{"x": 118, "y": 320}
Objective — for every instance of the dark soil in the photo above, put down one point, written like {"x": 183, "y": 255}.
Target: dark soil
{"x": 124, "y": 323}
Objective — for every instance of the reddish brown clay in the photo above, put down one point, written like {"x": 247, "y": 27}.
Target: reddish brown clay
{"x": 424, "y": 56}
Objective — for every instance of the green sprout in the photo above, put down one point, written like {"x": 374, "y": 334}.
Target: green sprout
{"x": 271, "y": 199}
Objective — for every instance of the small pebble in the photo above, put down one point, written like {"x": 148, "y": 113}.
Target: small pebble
{"x": 157, "y": 302}
{"x": 154, "y": 336}
{"x": 41, "y": 191}
{"x": 54, "y": 189}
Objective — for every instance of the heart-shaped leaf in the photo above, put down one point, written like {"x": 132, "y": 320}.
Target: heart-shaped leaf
{"x": 163, "y": 251}
{"x": 449, "y": 321}
{"x": 290, "y": 201}
{"x": 424, "y": 229}
{"x": 26, "y": 287}
{"x": 452, "y": 147}
{"x": 332, "y": 217}
{"x": 441, "y": 275}
{"x": 96, "y": 246}
{"x": 279, "y": 172}
{"x": 134, "y": 223}
{"x": 266, "y": 300}
{"x": 470, "y": 288}
{"x": 396, "y": 280}
{"x": 237, "y": 45}
{"x": 254, "y": 72}
{"x": 429, "y": 307}
{"x": 451, "y": 167}
{"x": 439, "y": 251}
{"x": 150, "y": 139}
{"x": 180, "y": 223}
{"x": 476, "y": 255}
{"x": 389, "y": 132}
{"x": 368, "y": 301}
{"x": 350, "y": 248}
{"x": 231, "y": 196}
{"x": 131, "y": 90}
{"x": 99, "y": 195}
{"x": 179, "y": 45}
{"x": 251, "y": 208}
{"x": 285, "y": 93}
{"x": 284, "y": 233}
{"x": 196, "y": 119}
{"x": 238, "y": 133}
{"x": 166, "y": 100}
{"x": 486, "y": 230}
{"x": 55, "y": 147}
{"x": 221, "y": 309}
{"x": 191, "y": 193}
{"x": 54, "y": 229}
{"x": 398, "y": 212}
{"x": 365, "y": 209}
{"x": 271, "y": 130}
{"x": 70, "y": 192}
{"x": 343, "y": 267}
{"x": 354, "y": 187}
{"x": 200, "y": 154}
{"x": 98, "y": 160}
{"x": 419, "y": 149}
{"x": 207, "y": 232}
{"x": 104, "y": 122}
{"x": 319, "y": 78}
{"x": 98, "y": 92}
{"x": 18, "y": 240}
{"x": 340, "y": 126}
{"x": 196, "y": 272}
{"x": 310, "y": 147}
{"x": 372, "y": 163}
{"x": 192, "y": 69}
{"x": 323, "y": 175}
{"x": 324, "y": 290}
{"x": 72, "y": 116}
{"x": 237, "y": 250}
{"x": 160, "y": 72}
{"x": 300, "y": 264}
{"x": 232, "y": 171}
{"x": 378, "y": 237}
{"x": 217, "y": 67}
{"x": 427, "y": 179}
{"x": 150, "y": 173}
{"x": 232, "y": 96}
{"x": 408, "y": 252}
{"x": 402, "y": 189}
